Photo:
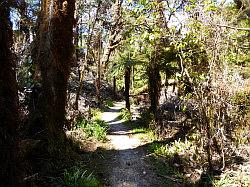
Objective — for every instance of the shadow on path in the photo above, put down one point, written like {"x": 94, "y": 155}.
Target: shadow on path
{"x": 128, "y": 164}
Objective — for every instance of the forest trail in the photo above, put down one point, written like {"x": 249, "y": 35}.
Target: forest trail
{"x": 125, "y": 164}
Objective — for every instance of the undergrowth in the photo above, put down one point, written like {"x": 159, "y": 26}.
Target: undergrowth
{"x": 109, "y": 103}
{"x": 177, "y": 159}
{"x": 231, "y": 178}
{"x": 177, "y": 147}
{"x": 144, "y": 134}
{"x": 96, "y": 113}
{"x": 79, "y": 176}
{"x": 125, "y": 114}
{"x": 146, "y": 118}
{"x": 96, "y": 129}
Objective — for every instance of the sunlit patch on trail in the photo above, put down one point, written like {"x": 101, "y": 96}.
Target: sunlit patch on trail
{"x": 119, "y": 137}
{"x": 119, "y": 133}
{"x": 115, "y": 122}
{"x": 127, "y": 184}
{"x": 122, "y": 142}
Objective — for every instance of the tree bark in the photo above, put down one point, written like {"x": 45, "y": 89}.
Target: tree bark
{"x": 154, "y": 83}
{"x": 54, "y": 56}
{"x": 98, "y": 79}
{"x": 114, "y": 87}
{"x": 127, "y": 86}
{"x": 9, "y": 114}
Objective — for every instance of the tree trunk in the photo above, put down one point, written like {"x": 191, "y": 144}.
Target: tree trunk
{"x": 98, "y": 80}
{"x": 115, "y": 36}
{"x": 127, "y": 85}
{"x": 9, "y": 115}
{"x": 86, "y": 56}
{"x": 54, "y": 56}
{"x": 133, "y": 77}
{"x": 76, "y": 43}
{"x": 114, "y": 87}
{"x": 154, "y": 84}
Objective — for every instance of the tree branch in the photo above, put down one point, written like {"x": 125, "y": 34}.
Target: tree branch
{"x": 236, "y": 28}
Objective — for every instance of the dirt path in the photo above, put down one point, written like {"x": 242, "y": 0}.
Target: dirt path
{"x": 125, "y": 164}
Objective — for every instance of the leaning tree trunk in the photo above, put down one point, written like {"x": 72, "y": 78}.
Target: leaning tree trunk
{"x": 55, "y": 55}
{"x": 9, "y": 115}
{"x": 127, "y": 86}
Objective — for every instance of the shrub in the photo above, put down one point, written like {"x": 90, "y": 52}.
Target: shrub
{"x": 125, "y": 114}
{"x": 177, "y": 147}
{"x": 78, "y": 176}
{"x": 147, "y": 118}
{"x": 217, "y": 114}
{"x": 109, "y": 103}
{"x": 96, "y": 113}
{"x": 94, "y": 129}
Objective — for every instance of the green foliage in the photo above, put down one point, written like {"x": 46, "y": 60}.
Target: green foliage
{"x": 146, "y": 118}
{"x": 96, "y": 129}
{"x": 24, "y": 74}
{"x": 177, "y": 147}
{"x": 80, "y": 122}
{"x": 168, "y": 169}
{"x": 110, "y": 103}
{"x": 78, "y": 176}
{"x": 144, "y": 134}
{"x": 125, "y": 114}
{"x": 96, "y": 113}
{"x": 169, "y": 157}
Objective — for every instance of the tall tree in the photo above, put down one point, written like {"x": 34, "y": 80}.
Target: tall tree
{"x": 127, "y": 85}
{"x": 154, "y": 78}
{"x": 115, "y": 32}
{"x": 55, "y": 50}
{"x": 9, "y": 116}
{"x": 91, "y": 28}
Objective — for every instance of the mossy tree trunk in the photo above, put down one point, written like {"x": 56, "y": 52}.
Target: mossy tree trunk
{"x": 9, "y": 115}
{"x": 55, "y": 56}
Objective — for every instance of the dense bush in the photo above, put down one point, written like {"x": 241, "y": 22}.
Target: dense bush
{"x": 96, "y": 129}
